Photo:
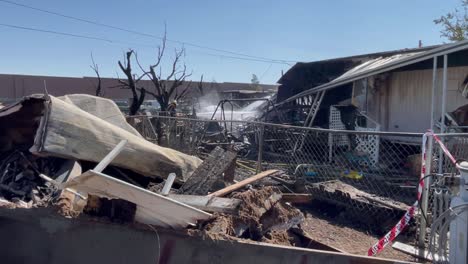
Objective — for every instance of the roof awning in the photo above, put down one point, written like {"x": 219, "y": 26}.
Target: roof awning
{"x": 381, "y": 65}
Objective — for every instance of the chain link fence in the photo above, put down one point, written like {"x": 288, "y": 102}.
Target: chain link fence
{"x": 441, "y": 185}
{"x": 371, "y": 176}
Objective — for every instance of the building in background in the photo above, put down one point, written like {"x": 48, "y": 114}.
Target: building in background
{"x": 388, "y": 91}
{"x": 15, "y": 86}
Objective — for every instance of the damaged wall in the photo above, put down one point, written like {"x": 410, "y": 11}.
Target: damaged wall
{"x": 402, "y": 103}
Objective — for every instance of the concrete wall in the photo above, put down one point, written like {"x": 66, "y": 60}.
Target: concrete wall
{"x": 14, "y": 87}
{"x": 37, "y": 236}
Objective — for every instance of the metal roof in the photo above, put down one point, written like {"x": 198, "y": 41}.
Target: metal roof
{"x": 372, "y": 64}
{"x": 381, "y": 65}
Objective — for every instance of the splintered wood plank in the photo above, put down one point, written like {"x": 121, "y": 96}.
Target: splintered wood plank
{"x": 243, "y": 183}
{"x": 210, "y": 173}
{"x": 209, "y": 204}
{"x": 297, "y": 198}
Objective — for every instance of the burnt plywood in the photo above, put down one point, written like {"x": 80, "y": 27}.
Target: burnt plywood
{"x": 211, "y": 174}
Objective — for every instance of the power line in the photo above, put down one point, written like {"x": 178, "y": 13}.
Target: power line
{"x": 56, "y": 32}
{"x": 240, "y": 58}
{"x": 121, "y": 42}
{"x": 145, "y": 34}
{"x": 263, "y": 74}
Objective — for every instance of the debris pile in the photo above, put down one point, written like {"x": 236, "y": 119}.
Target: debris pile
{"x": 41, "y": 134}
{"x": 261, "y": 216}
{"x": 79, "y": 155}
{"x": 21, "y": 181}
{"x": 368, "y": 208}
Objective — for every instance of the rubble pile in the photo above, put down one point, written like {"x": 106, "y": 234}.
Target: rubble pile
{"x": 261, "y": 216}
{"x": 77, "y": 154}
{"x": 21, "y": 181}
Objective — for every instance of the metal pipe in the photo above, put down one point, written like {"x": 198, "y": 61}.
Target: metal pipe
{"x": 111, "y": 156}
{"x": 232, "y": 112}
{"x": 205, "y": 127}
{"x": 269, "y": 102}
{"x": 313, "y": 129}
{"x": 443, "y": 109}
{"x": 167, "y": 186}
{"x": 428, "y": 140}
{"x": 444, "y": 95}
{"x": 366, "y": 83}
{"x": 216, "y": 110}
{"x": 260, "y": 148}
{"x": 452, "y": 135}
{"x": 434, "y": 85}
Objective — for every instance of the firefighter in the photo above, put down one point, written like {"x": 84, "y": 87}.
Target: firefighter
{"x": 172, "y": 108}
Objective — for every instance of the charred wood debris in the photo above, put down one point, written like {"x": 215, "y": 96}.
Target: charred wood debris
{"x": 240, "y": 203}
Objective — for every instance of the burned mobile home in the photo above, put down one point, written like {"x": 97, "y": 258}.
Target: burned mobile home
{"x": 408, "y": 90}
{"x": 227, "y": 185}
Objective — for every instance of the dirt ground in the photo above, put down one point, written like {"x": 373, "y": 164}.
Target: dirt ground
{"x": 326, "y": 230}
{"x": 266, "y": 219}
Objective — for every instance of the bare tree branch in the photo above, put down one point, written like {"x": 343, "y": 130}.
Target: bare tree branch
{"x": 184, "y": 92}
{"x": 95, "y": 68}
{"x": 164, "y": 89}
{"x": 200, "y": 86}
{"x": 178, "y": 54}
{"x": 137, "y": 100}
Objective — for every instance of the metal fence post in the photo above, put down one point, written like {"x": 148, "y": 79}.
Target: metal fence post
{"x": 429, "y": 141}
{"x": 260, "y": 147}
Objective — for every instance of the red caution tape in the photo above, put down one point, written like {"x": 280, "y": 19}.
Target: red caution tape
{"x": 398, "y": 228}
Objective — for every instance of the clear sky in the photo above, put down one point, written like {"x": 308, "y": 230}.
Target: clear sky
{"x": 293, "y": 30}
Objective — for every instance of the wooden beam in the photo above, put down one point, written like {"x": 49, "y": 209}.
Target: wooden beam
{"x": 243, "y": 183}
{"x": 297, "y": 198}
{"x": 209, "y": 204}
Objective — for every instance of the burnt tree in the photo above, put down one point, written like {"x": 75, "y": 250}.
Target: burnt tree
{"x": 95, "y": 68}
{"x": 138, "y": 93}
{"x": 166, "y": 89}
{"x": 200, "y": 86}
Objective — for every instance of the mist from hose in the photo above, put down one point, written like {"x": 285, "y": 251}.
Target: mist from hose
{"x": 246, "y": 113}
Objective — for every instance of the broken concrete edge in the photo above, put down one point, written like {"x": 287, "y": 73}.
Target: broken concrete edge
{"x": 317, "y": 244}
{"x": 57, "y": 227}
{"x": 414, "y": 251}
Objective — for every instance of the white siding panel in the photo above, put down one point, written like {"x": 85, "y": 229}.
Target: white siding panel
{"x": 410, "y": 98}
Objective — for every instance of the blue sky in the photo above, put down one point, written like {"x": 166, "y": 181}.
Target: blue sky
{"x": 301, "y": 30}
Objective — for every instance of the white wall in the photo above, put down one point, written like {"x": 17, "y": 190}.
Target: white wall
{"x": 408, "y": 106}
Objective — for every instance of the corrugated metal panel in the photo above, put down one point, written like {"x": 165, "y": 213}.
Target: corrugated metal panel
{"x": 382, "y": 65}
{"x": 409, "y": 108}
{"x": 374, "y": 64}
